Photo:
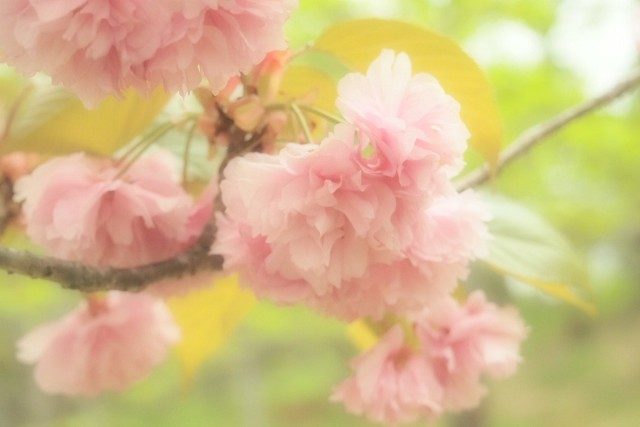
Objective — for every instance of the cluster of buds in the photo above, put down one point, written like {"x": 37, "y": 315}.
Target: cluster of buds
{"x": 239, "y": 117}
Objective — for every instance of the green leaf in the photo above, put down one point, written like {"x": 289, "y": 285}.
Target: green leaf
{"x": 49, "y": 120}
{"x": 526, "y": 247}
{"x": 358, "y": 43}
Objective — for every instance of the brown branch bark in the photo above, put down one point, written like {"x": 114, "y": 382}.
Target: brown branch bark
{"x": 8, "y": 208}
{"x": 540, "y": 132}
{"x": 73, "y": 275}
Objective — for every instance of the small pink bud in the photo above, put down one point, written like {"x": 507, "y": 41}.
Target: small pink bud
{"x": 18, "y": 164}
{"x": 247, "y": 112}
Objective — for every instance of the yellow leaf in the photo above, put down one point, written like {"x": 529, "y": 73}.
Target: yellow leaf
{"x": 51, "y": 121}
{"x": 208, "y": 318}
{"x": 303, "y": 82}
{"x": 563, "y": 291}
{"x": 361, "y": 335}
{"x": 358, "y": 43}
{"x": 309, "y": 86}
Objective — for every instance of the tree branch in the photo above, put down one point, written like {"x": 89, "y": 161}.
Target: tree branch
{"x": 8, "y": 209}
{"x": 73, "y": 275}
{"x": 540, "y": 132}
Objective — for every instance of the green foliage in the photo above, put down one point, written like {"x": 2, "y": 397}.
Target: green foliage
{"x": 525, "y": 247}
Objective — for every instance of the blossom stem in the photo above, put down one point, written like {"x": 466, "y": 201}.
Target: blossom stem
{"x": 13, "y": 112}
{"x": 187, "y": 152}
{"x": 324, "y": 114}
{"x": 303, "y": 122}
{"x": 149, "y": 142}
{"x": 542, "y": 131}
{"x": 152, "y": 135}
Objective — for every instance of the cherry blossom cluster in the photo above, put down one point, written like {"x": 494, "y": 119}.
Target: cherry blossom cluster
{"x": 364, "y": 224}
{"x": 367, "y": 222}
{"x": 435, "y": 364}
{"x": 107, "y": 343}
{"x": 97, "y": 47}
{"x": 81, "y": 208}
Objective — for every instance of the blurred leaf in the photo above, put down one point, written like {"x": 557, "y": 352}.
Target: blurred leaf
{"x": 361, "y": 335}
{"x": 49, "y": 120}
{"x": 527, "y": 248}
{"x": 207, "y": 318}
{"x": 301, "y": 81}
{"x": 11, "y": 84}
{"x": 358, "y": 43}
{"x": 309, "y": 86}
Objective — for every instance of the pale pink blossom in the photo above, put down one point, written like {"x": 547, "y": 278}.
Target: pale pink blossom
{"x": 413, "y": 128}
{"x": 78, "y": 208}
{"x": 104, "y": 345}
{"x": 311, "y": 225}
{"x": 454, "y": 231}
{"x": 93, "y": 47}
{"x": 466, "y": 341}
{"x": 218, "y": 39}
{"x": 392, "y": 384}
{"x": 102, "y": 47}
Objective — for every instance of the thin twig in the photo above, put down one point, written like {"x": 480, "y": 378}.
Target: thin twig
{"x": 540, "y": 132}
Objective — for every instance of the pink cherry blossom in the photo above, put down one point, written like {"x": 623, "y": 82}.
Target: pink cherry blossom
{"x": 218, "y": 39}
{"x": 466, "y": 341}
{"x": 78, "y": 208}
{"x": 392, "y": 384}
{"x": 93, "y": 47}
{"x": 311, "y": 225}
{"x": 412, "y": 125}
{"x": 102, "y": 47}
{"x": 105, "y": 345}
{"x": 435, "y": 363}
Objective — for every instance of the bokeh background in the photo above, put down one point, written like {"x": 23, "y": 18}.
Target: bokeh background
{"x": 278, "y": 369}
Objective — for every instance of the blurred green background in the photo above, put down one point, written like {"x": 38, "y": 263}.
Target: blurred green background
{"x": 541, "y": 56}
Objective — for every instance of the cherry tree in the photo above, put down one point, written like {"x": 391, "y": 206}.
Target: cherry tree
{"x": 338, "y": 184}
